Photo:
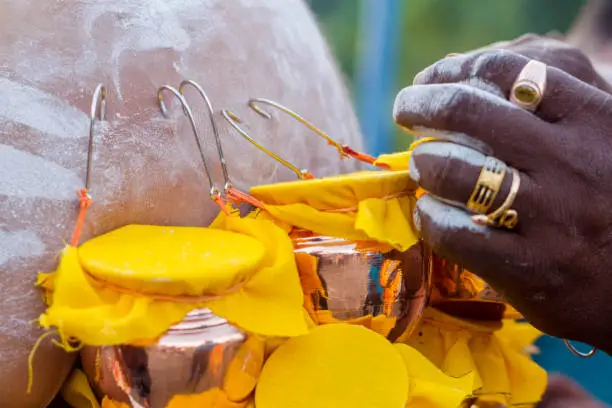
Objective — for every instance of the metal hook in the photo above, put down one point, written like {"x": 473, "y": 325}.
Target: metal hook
{"x": 579, "y": 353}
{"x": 214, "y": 191}
{"x": 98, "y": 106}
{"x": 234, "y": 120}
{"x": 226, "y": 177}
{"x": 253, "y": 105}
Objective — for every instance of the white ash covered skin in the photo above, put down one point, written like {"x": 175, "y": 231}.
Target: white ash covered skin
{"x": 146, "y": 167}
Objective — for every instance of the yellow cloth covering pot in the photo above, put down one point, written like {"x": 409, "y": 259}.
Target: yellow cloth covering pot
{"x": 133, "y": 283}
{"x": 364, "y": 206}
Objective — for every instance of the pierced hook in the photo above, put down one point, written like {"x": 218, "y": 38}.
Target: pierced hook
{"x": 213, "y": 122}
{"x": 98, "y": 107}
{"x": 215, "y": 194}
{"x": 253, "y": 105}
{"x": 577, "y": 352}
{"x": 234, "y": 120}
{"x": 343, "y": 150}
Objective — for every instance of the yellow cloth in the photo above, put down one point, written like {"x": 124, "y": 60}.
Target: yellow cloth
{"x": 394, "y": 161}
{"x": 257, "y": 282}
{"x": 502, "y": 370}
{"x": 77, "y": 392}
{"x": 365, "y": 206}
{"x": 429, "y": 386}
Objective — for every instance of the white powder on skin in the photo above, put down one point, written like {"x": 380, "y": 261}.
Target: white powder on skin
{"x": 443, "y": 218}
{"x": 447, "y": 68}
{"x": 430, "y": 101}
{"x": 35, "y": 177}
{"x": 41, "y": 111}
{"x": 455, "y": 137}
{"x": 485, "y": 86}
{"x": 146, "y": 168}
{"x": 446, "y": 150}
{"x": 19, "y": 243}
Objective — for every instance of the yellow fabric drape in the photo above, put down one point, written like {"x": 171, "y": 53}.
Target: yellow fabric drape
{"x": 257, "y": 283}
{"x": 77, "y": 392}
{"x": 496, "y": 356}
{"x": 366, "y": 206}
{"x": 394, "y": 161}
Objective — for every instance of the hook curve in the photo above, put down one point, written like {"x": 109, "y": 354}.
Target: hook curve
{"x": 235, "y": 121}
{"x": 215, "y": 193}
{"x": 343, "y": 150}
{"x": 213, "y": 122}
{"x": 98, "y": 107}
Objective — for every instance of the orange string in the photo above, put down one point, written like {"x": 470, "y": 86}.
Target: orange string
{"x": 360, "y": 156}
{"x": 84, "y": 203}
{"x": 222, "y": 204}
{"x": 238, "y": 197}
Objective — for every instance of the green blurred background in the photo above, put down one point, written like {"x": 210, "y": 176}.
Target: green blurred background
{"x": 430, "y": 29}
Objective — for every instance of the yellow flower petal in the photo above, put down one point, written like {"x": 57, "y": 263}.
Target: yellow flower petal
{"x": 77, "y": 392}
{"x": 207, "y": 399}
{"x": 109, "y": 403}
{"x": 244, "y": 369}
{"x": 394, "y": 161}
{"x": 271, "y": 302}
{"x": 337, "y": 365}
{"x": 428, "y": 382}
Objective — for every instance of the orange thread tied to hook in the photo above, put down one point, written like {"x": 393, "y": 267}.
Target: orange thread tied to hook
{"x": 84, "y": 203}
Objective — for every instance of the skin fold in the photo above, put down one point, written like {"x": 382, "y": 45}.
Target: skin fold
{"x": 146, "y": 168}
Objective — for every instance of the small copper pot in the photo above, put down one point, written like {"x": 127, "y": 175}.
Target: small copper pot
{"x": 351, "y": 281}
{"x": 460, "y": 293}
{"x": 191, "y": 358}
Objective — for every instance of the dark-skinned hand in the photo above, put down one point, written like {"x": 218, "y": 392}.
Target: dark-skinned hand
{"x": 556, "y": 53}
{"x": 564, "y": 393}
{"x": 555, "y": 266}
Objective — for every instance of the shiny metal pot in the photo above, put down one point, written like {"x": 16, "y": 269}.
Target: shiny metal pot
{"x": 191, "y": 358}
{"x": 460, "y": 293}
{"x": 350, "y": 281}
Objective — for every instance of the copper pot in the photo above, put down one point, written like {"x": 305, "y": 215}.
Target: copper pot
{"x": 191, "y": 358}
{"x": 460, "y": 293}
{"x": 353, "y": 281}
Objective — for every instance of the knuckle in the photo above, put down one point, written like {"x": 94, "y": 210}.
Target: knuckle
{"x": 452, "y": 105}
{"x": 493, "y": 62}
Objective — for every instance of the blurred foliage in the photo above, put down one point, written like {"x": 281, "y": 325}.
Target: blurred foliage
{"x": 433, "y": 28}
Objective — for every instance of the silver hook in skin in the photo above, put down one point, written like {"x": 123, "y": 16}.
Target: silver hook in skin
{"x": 211, "y": 112}
{"x": 98, "y": 107}
{"x": 214, "y": 191}
{"x": 234, "y": 120}
{"x": 254, "y": 104}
